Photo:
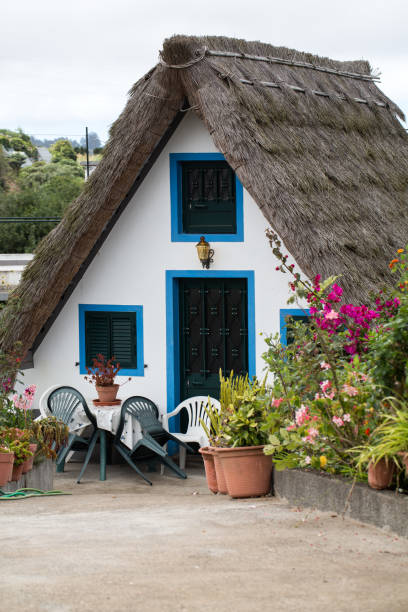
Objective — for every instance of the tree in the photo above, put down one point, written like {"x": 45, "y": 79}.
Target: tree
{"x": 40, "y": 190}
{"x": 40, "y": 172}
{"x": 15, "y": 148}
{"x": 62, "y": 149}
{"x": 16, "y": 160}
{"x": 18, "y": 142}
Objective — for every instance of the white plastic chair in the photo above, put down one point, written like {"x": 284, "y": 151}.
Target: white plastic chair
{"x": 195, "y": 407}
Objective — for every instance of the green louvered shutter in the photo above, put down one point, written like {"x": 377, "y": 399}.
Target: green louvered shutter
{"x": 208, "y": 198}
{"x": 123, "y": 338}
{"x": 97, "y": 335}
{"x": 111, "y": 334}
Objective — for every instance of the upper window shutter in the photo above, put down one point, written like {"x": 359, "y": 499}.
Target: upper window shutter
{"x": 123, "y": 338}
{"x": 208, "y": 198}
{"x": 97, "y": 335}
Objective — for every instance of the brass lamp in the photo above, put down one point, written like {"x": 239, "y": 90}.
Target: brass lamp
{"x": 205, "y": 254}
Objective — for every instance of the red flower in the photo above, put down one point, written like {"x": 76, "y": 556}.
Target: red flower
{"x": 367, "y": 431}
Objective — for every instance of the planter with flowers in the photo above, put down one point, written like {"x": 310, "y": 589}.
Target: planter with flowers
{"x": 18, "y": 442}
{"x": 102, "y": 374}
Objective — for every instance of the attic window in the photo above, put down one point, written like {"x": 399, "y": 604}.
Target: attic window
{"x": 206, "y": 198}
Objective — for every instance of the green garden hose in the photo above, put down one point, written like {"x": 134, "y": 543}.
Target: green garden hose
{"x": 24, "y": 493}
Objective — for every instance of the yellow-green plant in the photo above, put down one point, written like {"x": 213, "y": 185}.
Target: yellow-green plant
{"x": 389, "y": 438}
{"x": 241, "y": 420}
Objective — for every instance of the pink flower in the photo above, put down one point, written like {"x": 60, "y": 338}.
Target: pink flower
{"x": 277, "y": 402}
{"x": 338, "y": 421}
{"x": 330, "y": 395}
{"x": 312, "y": 433}
{"x": 302, "y": 415}
{"x": 291, "y": 427}
{"x": 346, "y": 417}
{"x": 317, "y": 396}
{"x": 332, "y": 314}
{"x": 307, "y": 460}
{"x": 325, "y": 366}
{"x": 325, "y": 385}
{"x": 350, "y": 390}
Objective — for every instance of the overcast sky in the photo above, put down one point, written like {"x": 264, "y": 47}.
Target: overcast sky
{"x": 65, "y": 65}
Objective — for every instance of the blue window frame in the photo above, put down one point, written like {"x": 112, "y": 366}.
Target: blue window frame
{"x": 177, "y": 234}
{"x": 138, "y": 330}
{"x": 297, "y": 314}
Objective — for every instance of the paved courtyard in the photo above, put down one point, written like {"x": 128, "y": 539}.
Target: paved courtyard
{"x": 122, "y": 545}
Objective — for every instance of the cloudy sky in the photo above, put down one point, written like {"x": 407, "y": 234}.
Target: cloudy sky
{"x": 65, "y": 65}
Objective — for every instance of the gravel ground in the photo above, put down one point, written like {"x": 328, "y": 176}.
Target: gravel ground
{"x": 122, "y": 545}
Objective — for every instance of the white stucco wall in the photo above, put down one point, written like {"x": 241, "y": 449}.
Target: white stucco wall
{"x": 130, "y": 269}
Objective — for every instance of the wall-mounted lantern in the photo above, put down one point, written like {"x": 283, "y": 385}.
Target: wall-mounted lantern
{"x": 205, "y": 254}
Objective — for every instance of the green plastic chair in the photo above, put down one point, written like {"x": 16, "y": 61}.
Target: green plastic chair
{"x": 63, "y": 403}
{"x": 155, "y": 437}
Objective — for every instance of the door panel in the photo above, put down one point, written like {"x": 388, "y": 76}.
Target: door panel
{"x": 213, "y": 333}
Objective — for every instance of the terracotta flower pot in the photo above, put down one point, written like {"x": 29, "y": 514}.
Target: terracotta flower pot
{"x": 208, "y": 456}
{"x": 17, "y": 472}
{"x": 28, "y": 463}
{"x": 219, "y": 472}
{"x": 380, "y": 474}
{"x": 107, "y": 393}
{"x": 6, "y": 467}
{"x": 247, "y": 470}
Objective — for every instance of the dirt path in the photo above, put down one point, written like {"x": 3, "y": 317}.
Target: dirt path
{"x": 121, "y": 545}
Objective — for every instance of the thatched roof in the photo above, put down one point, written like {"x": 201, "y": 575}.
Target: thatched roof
{"x": 319, "y": 149}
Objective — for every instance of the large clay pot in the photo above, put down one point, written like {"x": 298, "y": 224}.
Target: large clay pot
{"x": 380, "y": 474}
{"x": 208, "y": 456}
{"x": 247, "y": 470}
{"x": 17, "y": 472}
{"x": 28, "y": 463}
{"x": 219, "y": 472}
{"x": 6, "y": 467}
{"x": 107, "y": 393}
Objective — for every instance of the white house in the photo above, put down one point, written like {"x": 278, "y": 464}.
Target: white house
{"x": 220, "y": 139}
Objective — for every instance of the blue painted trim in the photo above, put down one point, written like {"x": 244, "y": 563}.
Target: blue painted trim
{"x": 176, "y": 203}
{"x": 139, "y": 370}
{"x": 172, "y": 326}
{"x": 284, "y": 312}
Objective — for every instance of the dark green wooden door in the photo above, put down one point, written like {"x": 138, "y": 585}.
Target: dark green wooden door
{"x": 213, "y": 333}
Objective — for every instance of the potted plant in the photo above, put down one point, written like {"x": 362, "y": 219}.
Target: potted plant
{"x": 390, "y": 442}
{"x": 6, "y": 463}
{"x": 239, "y": 435}
{"x": 18, "y": 441}
{"x": 102, "y": 375}
{"x": 213, "y": 470}
{"x": 51, "y": 435}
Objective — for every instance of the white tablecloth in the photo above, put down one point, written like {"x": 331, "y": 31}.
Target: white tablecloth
{"x": 108, "y": 418}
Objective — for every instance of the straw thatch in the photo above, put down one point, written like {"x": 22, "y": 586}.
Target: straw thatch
{"x": 329, "y": 173}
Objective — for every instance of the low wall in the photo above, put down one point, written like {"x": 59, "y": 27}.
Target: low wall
{"x": 329, "y": 493}
{"x": 40, "y": 477}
